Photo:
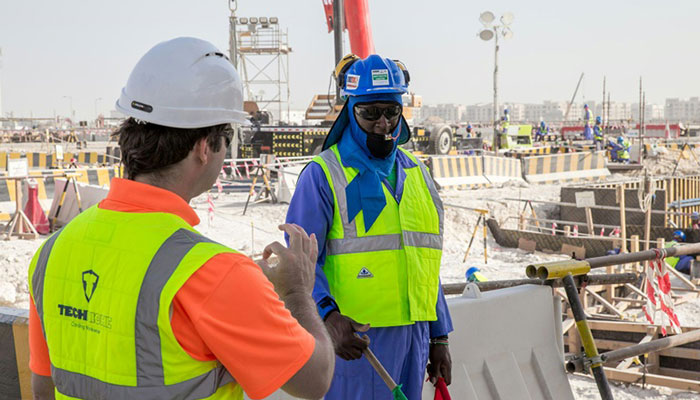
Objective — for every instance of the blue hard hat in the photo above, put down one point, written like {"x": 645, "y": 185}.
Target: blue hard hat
{"x": 374, "y": 75}
{"x": 620, "y": 139}
{"x": 585, "y": 106}
{"x": 679, "y": 235}
{"x": 505, "y": 111}
{"x": 598, "y": 119}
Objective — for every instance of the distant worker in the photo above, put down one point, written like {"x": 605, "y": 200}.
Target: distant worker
{"x": 587, "y": 129}
{"x": 695, "y": 220}
{"x": 541, "y": 131}
{"x": 623, "y": 150}
{"x": 379, "y": 220}
{"x": 129, "y": 301}
{"x": 598, "y": 133}
{"x": 682, "y": 263}
{"x": 474, "y": 275}
{"x": 505, "y": 121}
{"x": 469, "y": 130}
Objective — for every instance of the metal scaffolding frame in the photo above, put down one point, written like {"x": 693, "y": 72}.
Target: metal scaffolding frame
{"x": 259, "y": 49}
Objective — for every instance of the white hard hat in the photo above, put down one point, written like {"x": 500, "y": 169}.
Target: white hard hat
{"x": 184, "y": 83}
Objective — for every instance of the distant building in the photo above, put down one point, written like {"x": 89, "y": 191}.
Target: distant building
{"x": 652, "y": 112}
{"x": 479, "y": 113}
{"x": 450, "y": 113}
{"x": 682, "y": 110}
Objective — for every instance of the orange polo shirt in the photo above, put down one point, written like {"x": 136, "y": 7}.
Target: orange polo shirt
{"x": 227, "y": 310}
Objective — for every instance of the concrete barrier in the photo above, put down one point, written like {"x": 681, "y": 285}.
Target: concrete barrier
{"x": 46, "y": 180}
{"x": 502, "y": 169}
{"x": 15, "y": 376}
{"x": 462, "y": 172}
{"x": 42, "y": 160}
{"x": 570, "y": 167}
{"x": 532, "y": 151}
{"x": 506, "y": 344}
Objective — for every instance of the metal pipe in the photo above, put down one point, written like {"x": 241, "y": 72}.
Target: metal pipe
{"x": 587, "y": 338}
{"x": 590, "y": 280}
{"x": 652, "y": 346}
{"x": 554, "y": 269}
{"x": 338, "y": 24}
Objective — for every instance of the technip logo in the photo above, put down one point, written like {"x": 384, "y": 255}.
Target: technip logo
{"x": 90, "y": 279}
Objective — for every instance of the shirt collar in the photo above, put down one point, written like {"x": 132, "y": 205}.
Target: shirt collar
{"x": 404, "y": 161}
{"x": 131, "y": 196}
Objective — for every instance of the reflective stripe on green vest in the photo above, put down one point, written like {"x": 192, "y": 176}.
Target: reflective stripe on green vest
{"x": 103, "y": 288}
{"x": 624, "y": 154}
{"x": 389, "y": 275}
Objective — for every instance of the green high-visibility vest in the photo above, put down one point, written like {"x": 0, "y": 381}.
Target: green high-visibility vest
{"x": 103, "y": 287}
{"x": 624, "y": 154}
{"x": 389, "y": 275}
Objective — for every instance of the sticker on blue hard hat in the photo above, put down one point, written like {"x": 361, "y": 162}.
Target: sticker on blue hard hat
{"x": 380, "y": 77}
{"x": 352, "y": 81}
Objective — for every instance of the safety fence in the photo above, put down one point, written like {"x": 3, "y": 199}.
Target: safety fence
{"x": 49, "y": 160}
{"x": 46, "y": 180}
{"x": 678, "y": 193}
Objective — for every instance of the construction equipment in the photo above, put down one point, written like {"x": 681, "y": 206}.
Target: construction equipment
{"x": 265, "y": 136}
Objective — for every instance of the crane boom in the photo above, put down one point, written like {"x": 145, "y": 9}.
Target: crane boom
{"x": 357, "y": 23}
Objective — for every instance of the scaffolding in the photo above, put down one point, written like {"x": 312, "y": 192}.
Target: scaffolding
{"x": 259, "y": 49}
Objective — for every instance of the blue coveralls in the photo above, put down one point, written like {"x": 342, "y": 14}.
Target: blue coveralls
{"x": 403, "y": 350}
{"x": 587, "y": 129}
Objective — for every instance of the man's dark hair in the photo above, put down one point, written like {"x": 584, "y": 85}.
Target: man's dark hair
{"x": 149, "y": 148}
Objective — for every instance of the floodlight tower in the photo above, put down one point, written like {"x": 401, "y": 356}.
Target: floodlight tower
{"x": 492, "y": 31}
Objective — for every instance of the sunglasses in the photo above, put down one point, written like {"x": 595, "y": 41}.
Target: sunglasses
{"x": 228, "y": 135}
{"x": 373, "y": 113}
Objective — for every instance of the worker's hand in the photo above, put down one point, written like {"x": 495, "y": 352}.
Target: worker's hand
{"x": 440, "y": 363}
{"x": 347, "y": 344}
{"x": 295, "y": 272}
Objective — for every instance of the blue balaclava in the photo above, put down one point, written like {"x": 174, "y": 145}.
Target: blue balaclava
{"x": 364, "y": 192}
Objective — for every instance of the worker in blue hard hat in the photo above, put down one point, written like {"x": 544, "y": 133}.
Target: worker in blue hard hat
{"x": 541, "y": 131}
{"x": 474, "y": 275}
{"x": 598, "y": 133}
{"x": 623, "y": 150}
{"x": 379, "y": 220}
{"x": 681, "y": 263}
{"x": 587, "y": 129}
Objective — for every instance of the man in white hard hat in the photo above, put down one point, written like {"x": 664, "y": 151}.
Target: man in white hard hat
{"x": 128, "y": 301}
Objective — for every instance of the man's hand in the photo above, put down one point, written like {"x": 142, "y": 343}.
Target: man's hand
{"x": 295, "y": 272}
{"x": 440, "y": 363}
{"x": 348, "y": 346}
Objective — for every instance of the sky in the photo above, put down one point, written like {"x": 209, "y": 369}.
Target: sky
{"x": 79, "y": 53}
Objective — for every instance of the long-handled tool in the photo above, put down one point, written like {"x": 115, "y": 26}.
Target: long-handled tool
{"x": 395, "y": 389}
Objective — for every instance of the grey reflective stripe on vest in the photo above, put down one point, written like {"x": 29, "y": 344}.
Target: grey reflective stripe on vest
{"x": 149, "y": 360}
{"x": 422, "y": 239}
{"x": 38, "y": 277}
{"x": 363, "y": 244}
{"x": 339, "y": 184}
{"x": 353, "y": 244}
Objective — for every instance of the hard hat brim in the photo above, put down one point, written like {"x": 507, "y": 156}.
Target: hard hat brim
{"x": 183, "y": 118}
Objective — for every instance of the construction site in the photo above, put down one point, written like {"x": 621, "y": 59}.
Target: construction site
{"x": 570, "y": 251}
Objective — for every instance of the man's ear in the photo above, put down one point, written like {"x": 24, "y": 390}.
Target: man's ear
{"x": 202, "y": 151}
